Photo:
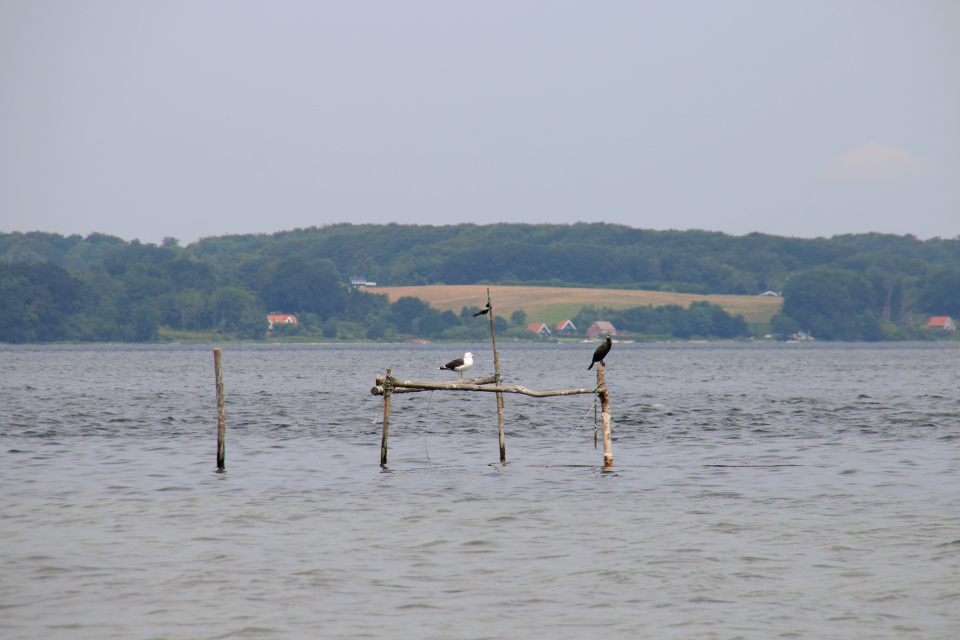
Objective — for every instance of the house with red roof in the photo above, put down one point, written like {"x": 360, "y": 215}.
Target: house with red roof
{"x": 565, "y": 328}
{"x": 942, "y": 322}
{"x": 540, "y": 329}
{"x": 602, "y": 327}
{"x": 282, "y": 319}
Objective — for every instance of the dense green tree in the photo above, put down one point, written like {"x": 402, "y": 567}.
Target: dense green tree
{"x": 376, "y": 327}
{"x": 330, "y": 328}
{"x": 407, "y": 311}
{"x": 940, "y": 293}
{"x": 40, "y": 297}
{"x": 188, "y": 309}
{"x": 361, "y": 303}
{"x": 700, "y": 319}
{"x": 450, "y": 319}
{"x": 294, "y": 284}
{"x": 18, "y": 320}
{"x": 252, "y": 324}
{"x": 429, "y": 324}
{"x": 188, "y": 274}
{"x": 236, "y": 308}
{"x": 783, "y": 326}
{"x": 833, "y": 304}
{"x": 146, "y": 322}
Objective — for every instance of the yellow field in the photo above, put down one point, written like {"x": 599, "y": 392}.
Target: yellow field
{"x": 552, "y": 305}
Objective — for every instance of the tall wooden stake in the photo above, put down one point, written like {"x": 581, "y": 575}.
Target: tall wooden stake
{"x": 221, "y": 413}
{"x": 387, "y": 389}
{"x": 605, "y": 411}
{"x": 496, "y": 370}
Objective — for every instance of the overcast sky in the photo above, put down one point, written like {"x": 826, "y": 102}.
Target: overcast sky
{"x": 200, "y": 118}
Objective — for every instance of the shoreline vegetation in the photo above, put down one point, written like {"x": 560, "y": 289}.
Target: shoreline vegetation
{"x": 176, "y": 338}
{"x": 653, "y": 285}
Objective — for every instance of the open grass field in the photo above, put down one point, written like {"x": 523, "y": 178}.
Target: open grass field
{"x": 552, "y": 305}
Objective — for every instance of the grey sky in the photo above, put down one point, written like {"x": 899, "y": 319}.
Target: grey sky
{"x": 190, "y": 119}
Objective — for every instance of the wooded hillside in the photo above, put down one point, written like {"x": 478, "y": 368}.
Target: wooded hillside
{"x": 854, "y": 287}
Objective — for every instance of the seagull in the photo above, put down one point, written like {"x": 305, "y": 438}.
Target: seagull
{"x": 601, "y": 353}
{"x": 460, "y": 364}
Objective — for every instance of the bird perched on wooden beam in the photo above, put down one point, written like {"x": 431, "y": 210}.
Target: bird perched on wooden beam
{"x": 601, "y": 353}
{"x": 460, "y": 364}
{"x": 483, "y": 311}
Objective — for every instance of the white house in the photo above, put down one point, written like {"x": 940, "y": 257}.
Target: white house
{"x": 357, "y": 281}
{"x": 282, "y": 319}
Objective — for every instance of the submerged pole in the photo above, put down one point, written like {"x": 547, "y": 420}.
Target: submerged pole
{"x": 387, "y": 390}
{"x": 605, "y": 412}
{"x": 221, "y": 413}
{"x": 496, "y": 374}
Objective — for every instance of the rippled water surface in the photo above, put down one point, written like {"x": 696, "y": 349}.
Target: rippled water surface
{"x": 759, "y": 491}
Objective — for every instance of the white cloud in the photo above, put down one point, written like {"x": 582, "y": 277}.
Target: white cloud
{"x": 874, "y": 162}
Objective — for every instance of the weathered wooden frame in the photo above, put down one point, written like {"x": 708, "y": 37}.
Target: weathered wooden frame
{"x": 388, "y": 385}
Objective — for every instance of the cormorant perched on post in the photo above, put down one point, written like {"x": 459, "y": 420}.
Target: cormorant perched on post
{"x": 601, "y": 353}
{"x": 483, "y": 311}
{"x": 460, "y": 364}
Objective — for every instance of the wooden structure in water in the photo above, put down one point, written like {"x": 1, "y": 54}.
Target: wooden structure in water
{"x": 221, "y": 413}
{"x": 388, "y": 385}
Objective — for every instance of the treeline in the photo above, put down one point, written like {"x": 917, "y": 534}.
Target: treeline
{"x": 853, "y": 287}
{"x": 700, "y": 320}
{"x": 579, "y": 254}
{"x": 873, "y": 305}
{"x": 137, "y": 289}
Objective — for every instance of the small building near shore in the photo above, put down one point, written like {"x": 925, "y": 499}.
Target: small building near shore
{"x": 942, "y": 322}
{"x": 282, "y": 319}
{"x": 565, "y": 328}
{"x": 603, "y": 328}
{"x": 540, "y": 329}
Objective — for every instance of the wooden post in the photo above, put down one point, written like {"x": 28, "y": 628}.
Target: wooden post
{"x": 221, "y": 413}
{"x": 496, "y": 370}
{"x": 605, "y": 412}
{"x": 387, "y": 390}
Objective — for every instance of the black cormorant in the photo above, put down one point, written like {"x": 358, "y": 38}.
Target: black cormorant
{"x": 601, "y": 353}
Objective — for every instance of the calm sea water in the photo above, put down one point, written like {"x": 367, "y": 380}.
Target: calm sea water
{"x": 759, "y": 491}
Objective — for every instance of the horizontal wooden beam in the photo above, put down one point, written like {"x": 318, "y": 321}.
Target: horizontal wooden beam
{"x": 406, "y": 386}
{"x": 379, "y": 390}
{"x": 399, "y": 387}
{"x": 399, "y": 383}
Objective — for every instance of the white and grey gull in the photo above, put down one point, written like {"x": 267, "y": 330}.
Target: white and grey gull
{"x": 460, "y": 364}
